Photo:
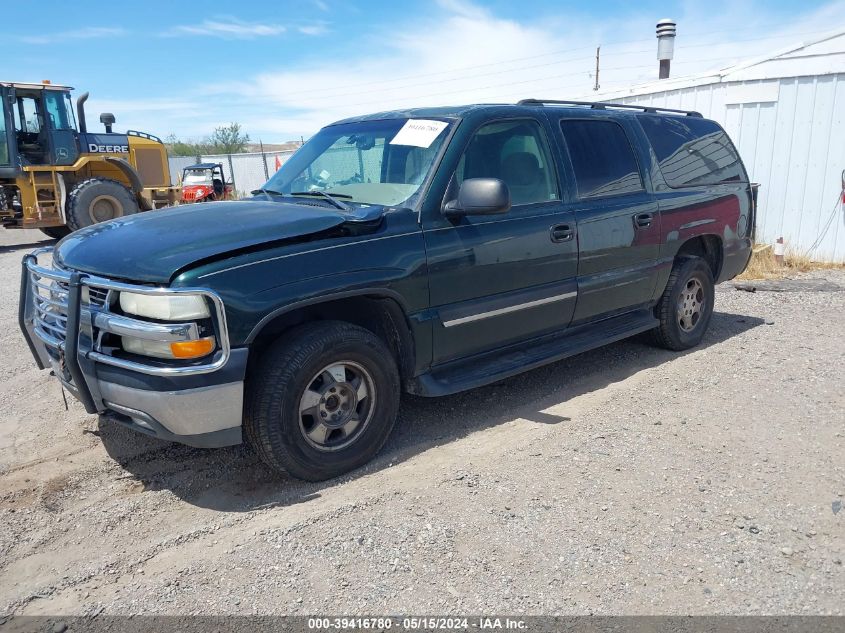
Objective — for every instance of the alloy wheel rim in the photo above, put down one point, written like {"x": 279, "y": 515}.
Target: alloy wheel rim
{"x": 691, "y": 304}
{"x": 336, "y": 406}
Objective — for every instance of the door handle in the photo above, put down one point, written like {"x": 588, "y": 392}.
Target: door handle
{"x": 643, "y": 220}
{"x": 561, "y": 232}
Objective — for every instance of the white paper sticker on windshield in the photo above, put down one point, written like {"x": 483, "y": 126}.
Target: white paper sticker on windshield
{"x": 418, "y": 132}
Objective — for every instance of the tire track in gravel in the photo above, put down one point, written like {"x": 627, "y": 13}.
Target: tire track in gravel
{"x": 419, "y": 472}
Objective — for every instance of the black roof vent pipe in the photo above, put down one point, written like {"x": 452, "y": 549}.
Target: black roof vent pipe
{"x": 80, "y": 112}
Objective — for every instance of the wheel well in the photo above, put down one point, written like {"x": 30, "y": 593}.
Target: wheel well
{"x": 708, "y": 247}
{"x": 380, "y": 315}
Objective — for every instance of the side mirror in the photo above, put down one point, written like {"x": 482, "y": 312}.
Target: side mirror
{"x": 480, "y": 196}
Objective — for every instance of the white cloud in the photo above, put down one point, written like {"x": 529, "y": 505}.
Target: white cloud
{"x": 313, "y": 29}
{"x": 227, "y": 28}
{"x": 88, "y": 33}
{"x": 463, "y": 53}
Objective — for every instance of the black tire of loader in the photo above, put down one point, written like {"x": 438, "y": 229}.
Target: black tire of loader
{"x": 86, "y": 193}
{"x": 55, "y": 232}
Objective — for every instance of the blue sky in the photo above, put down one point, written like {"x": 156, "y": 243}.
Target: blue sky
{"x": 284, "y": 69}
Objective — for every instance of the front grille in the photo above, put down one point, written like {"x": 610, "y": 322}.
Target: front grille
{"x": 50, "y": 302}
{"x": 50, "y": 299}
{"x": 98, "y": 297}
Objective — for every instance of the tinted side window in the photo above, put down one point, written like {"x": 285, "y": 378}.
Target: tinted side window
{"x": 602, "y": 158}
{"x": 692, "y": 151}
{"x": 515, "y": 152}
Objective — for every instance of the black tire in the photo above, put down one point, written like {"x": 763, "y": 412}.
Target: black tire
{"x": 96, "y": 200}
{"x": 56, "y": 232}
{"x": 274, "y": 423}
{"x": 683, "y": 321}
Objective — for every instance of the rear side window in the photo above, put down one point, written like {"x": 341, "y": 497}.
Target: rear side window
{"x": 692, "y": 151}
{"x": 602, "y": 158}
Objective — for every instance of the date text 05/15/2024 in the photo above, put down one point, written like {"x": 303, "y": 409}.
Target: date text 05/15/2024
{"x": 424, "y": 623}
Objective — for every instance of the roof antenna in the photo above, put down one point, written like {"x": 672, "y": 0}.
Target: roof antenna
{"x": 665, "y": 45}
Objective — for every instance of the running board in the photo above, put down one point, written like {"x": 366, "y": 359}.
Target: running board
{"x": 493, "y": 366}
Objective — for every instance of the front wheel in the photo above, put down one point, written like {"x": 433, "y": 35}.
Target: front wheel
{"x": 322, "y": 400}
{"x": 686, "y": 306}
{"x": 96, "y": 200}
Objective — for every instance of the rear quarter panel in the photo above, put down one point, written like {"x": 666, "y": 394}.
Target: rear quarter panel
{"x": 724, "y": 210}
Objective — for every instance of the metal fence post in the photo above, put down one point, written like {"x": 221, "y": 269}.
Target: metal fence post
{"x": 264, "y": 160}
{"x": 232, "y": 171}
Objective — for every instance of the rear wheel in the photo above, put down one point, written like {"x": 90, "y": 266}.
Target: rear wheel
{"x": 322, "y": 401}
{"x": 686, "y": 306}
{"x": 96, "y": 200}
{"x": 56, "y": 232}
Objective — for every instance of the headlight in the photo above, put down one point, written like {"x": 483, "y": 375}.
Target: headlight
{"x": 162, "y": 349}
{"x": 164, "y": 307}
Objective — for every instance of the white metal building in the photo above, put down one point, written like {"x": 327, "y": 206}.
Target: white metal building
{"x": 786, "y": 114}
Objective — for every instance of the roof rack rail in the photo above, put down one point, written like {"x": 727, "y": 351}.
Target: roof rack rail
{"x": 598, "y": 105}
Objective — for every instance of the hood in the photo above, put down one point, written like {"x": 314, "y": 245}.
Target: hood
{"x": 154, "y": 245}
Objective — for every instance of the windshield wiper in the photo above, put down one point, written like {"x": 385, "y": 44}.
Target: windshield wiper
{"x": 331, "y": 198}
{"x": 267, "y": 192}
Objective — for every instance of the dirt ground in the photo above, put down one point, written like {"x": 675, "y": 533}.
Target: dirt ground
{"x": 626, "y": 480}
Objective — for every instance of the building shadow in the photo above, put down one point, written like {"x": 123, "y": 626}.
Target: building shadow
{"x": 235, "y": 480}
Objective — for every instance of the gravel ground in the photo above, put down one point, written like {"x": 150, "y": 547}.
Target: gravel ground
{"x": 628, "y": 480}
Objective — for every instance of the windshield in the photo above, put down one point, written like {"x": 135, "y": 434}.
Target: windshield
{"x": 367, "y": 162}
{"x": 197, "y": 177}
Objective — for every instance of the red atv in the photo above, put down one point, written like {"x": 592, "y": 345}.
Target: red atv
{"x": 205, "y": 182}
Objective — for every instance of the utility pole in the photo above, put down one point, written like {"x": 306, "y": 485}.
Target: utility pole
{"x": 264, "y": 160}
{"x": 598, "y": 50}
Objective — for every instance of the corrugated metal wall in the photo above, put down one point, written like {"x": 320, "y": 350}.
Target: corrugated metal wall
{"x": 791, "y": 135}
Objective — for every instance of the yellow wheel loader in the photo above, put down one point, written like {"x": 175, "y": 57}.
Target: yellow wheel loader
{"x": 58, "y": 177}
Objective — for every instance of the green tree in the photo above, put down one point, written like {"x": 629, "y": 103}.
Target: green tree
{"x": 229, "y": 139}
{"x": 178, "y": 147}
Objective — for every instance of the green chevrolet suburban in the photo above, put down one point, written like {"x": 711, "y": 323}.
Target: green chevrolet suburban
{"x": 427, "y": 251}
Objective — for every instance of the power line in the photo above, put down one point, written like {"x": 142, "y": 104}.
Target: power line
{"x": 538, "y": 56}
{"x": 495, "y": 73}
{"x": 515, "y": 83}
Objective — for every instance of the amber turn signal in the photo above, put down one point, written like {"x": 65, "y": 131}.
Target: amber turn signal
{"x": 192, "y": 349}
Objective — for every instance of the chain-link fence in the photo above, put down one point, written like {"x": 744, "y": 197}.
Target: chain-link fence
{"x": 248, "y": 171}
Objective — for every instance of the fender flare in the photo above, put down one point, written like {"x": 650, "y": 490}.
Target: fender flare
{"x": 380, "y": 293}
{"x": 135, "y": 183}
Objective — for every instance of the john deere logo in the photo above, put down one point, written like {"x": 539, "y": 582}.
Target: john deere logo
{"x": 61, "y": 152}
{"x": 107, "y": 149}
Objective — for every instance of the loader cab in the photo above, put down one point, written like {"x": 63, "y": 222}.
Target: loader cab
{"x": 8, "y": 162}
{"x": 38, "y": 128}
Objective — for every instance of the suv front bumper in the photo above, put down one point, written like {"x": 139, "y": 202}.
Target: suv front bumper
{"x": 63, "y": 315}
